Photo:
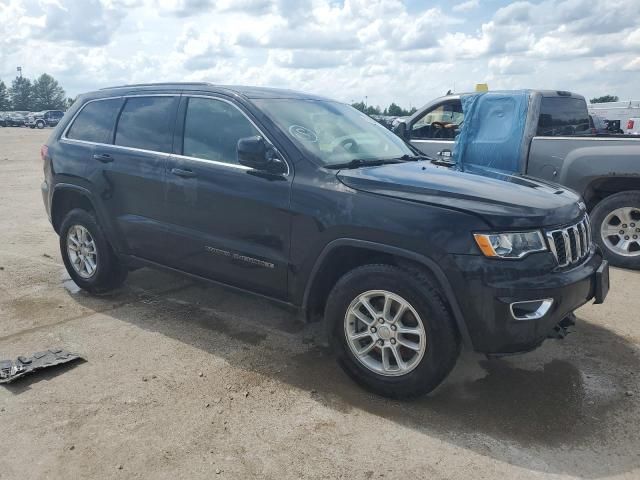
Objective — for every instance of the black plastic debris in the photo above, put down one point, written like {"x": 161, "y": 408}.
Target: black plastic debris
{"x": 11, "y": 370}
{"x": 561, "y": 330}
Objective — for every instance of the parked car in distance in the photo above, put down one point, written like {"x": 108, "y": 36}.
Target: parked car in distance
{"x": 558, "y": 146}
{"x": 633, "y": 126}
{"x": 598, "y": 125}
{"x": 16, "y": 119}
{"x": 315, "y": 205}
{"x": 47, "y": 118}
{"x": 3, "y": 120}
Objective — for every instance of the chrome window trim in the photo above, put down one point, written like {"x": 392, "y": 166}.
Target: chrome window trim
{"x": 577, "y": 137}
{"x": 434, "y": 140}
{"x": 213, "y": 162}
{"x": 65, "y": 139}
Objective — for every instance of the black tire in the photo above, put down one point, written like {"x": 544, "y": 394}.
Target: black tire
{"x": 40, "y": 125}
{"x": 599, "y": 215}
{"x": 109, "y": 272}
{"x": 442, "y": 344}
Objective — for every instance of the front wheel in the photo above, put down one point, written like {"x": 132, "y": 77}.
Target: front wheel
{"x": 87, "y": 255}
{"x": 40, "y": 125}
{"x": 616, "y": 228}
{"x": 392, "y": 333}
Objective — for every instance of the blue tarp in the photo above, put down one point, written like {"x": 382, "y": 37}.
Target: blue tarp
{"x": 493, "y": 131}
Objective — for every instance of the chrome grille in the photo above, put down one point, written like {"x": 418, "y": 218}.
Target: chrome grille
{"x": 570, "y": 244}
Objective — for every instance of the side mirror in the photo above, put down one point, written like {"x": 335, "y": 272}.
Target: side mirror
{"x": 254, "y": 152}
{"x": 400, "y": 129}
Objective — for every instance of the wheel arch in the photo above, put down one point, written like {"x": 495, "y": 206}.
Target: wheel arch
{"x": 67, "y": 197}
{"x": 342, "y": 255}
{"x": 601, "y": 188}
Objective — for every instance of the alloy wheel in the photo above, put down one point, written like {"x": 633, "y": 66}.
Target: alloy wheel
{"x": 620, "y": 231}
{"x": 385, "y": 333}
{"x": 82, "y": 251}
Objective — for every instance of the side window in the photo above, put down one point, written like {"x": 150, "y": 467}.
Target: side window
{"x": 95, "y": 121}
{"x": 563, "y": 116}
{"x": 212, "y": 129}
{"x": 441, "y": 123}
{"x": 147, "y": 123}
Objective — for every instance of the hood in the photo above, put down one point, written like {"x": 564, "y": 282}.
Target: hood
{"x": 504, "y": 201}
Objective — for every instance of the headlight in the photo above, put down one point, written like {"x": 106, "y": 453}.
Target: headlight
{"x": 510, "y": 245}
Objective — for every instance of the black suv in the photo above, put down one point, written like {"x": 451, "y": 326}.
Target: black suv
{"x": 48, "y": 118}
{"x": 312, "y": 203}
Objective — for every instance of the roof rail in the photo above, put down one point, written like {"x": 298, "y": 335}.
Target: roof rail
{"x": 161, "y": 84}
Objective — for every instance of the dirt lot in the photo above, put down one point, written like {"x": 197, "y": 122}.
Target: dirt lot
{"x": 185, "y": 380}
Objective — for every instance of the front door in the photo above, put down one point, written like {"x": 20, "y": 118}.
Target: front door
{"x": 434, "y": 131}
{"x": 226, "y": 221}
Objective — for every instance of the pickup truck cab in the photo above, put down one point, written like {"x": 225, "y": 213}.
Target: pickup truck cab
{"x": 313, "y": 204}
{"x": 557, "y": 145}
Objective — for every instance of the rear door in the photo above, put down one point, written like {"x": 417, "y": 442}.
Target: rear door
{"x": 226, "y": 221}
{"x": 435, "y": 129}
{"x": 129, "y": 173}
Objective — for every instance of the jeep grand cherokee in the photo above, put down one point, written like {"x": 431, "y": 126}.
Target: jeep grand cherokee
{"x": 312, "y": 203}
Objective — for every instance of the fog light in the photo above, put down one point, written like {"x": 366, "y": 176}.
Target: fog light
{"x": 531, "y": 309}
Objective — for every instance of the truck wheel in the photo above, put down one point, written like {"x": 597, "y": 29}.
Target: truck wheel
{"x": 391, "y": 331}
{"x": 616, "y": 228}
{"x": 87, "y": 255}
{"x": 40, "y": 125}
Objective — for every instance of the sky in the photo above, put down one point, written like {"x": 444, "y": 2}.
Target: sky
{"x": 377, "y": 51}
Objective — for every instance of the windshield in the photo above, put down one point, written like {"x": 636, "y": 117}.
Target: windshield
{"x": 333, "y": 133}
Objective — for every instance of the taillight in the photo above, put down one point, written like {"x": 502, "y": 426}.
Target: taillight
{"x": 44, "y": 152}
{"x": 630, "y": 125}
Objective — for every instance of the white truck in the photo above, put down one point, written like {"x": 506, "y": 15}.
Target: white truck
{"x": 619, "y": 112}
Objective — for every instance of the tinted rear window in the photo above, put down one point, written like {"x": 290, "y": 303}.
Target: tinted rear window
{"x": 563, "y": 116}
{"x": 95, "y": 121}
{"x": 147, "y": 123}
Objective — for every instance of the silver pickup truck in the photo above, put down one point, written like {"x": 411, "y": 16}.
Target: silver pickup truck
{"x": 556, "y": 144}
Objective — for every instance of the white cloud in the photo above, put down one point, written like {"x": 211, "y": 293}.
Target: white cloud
{"x": 466, "y": 6}
{"x": 343, "y": 49}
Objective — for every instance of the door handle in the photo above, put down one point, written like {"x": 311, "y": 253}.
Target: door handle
{"x": 103, "y": 157}
{"x": 183, "y": 173}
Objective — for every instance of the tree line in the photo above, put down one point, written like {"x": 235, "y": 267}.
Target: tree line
{"x": 605, "y": 99}
{"x": 43, "y": 93}
{"x": 392, "y": 110}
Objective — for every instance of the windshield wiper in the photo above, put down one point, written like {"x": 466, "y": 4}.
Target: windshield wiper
{"x": 360, "y": 162}
{"x": 414, "y": 158}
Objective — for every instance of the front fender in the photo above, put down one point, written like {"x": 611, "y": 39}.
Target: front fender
{"x": 409, "y": 256}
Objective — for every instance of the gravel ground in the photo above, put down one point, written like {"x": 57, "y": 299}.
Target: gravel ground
{"x": 187, "y": 380}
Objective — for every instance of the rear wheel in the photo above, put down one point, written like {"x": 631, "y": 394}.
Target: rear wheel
{"x": 40, "y": 124}
{"x": 616, "y": 228}
{"x": 87, "y": 255}
{"x": 392, "y": 332}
